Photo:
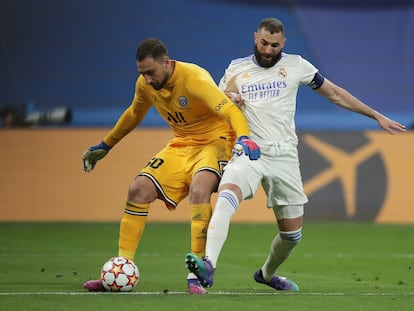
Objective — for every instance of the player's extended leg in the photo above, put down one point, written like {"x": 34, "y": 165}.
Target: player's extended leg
{"x": 131, "y": 229}
{"x": 290, "y": 234}
{"x": 132, "y": 223}
{"x": 226, "y": 205}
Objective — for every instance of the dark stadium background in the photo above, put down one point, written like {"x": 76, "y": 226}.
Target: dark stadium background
{"x": 81, "y": 54}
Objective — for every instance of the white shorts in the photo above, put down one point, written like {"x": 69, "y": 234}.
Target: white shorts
{"x": 277, "y": 171}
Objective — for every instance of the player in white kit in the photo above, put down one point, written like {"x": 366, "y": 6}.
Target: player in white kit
{"x": 265, "y": 86}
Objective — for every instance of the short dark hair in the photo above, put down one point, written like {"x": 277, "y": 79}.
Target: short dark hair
{"x": 151, "y": 48}
{"x": 273, "y": 25}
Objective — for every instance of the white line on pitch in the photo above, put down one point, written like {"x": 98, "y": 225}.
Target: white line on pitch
{"x": 220, "y": 293}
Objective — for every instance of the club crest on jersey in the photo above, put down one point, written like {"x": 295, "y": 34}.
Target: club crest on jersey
{"x": 183, "y": 101}
{"x": 282, "y": 73}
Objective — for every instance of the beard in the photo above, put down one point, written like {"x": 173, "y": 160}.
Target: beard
{"x": 159, "y": 85}
{"x": 266, "y": 60}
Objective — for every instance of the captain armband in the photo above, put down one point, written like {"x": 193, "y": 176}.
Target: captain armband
{"x": 317, "y": 81}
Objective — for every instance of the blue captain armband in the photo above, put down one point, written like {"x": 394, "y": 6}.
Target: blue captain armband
{"x": 317, "y": 81}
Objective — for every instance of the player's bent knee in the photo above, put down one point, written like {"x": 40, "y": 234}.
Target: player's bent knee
{"x": 199, "y": 193}
{"x": 142, "y": 191}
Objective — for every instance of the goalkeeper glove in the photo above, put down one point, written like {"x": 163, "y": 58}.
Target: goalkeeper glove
{"x": 247, "y": 146}
{"x": 93, "y": 155}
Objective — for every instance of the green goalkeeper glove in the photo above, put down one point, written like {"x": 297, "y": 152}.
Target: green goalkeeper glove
{"x": 93, "y": 155}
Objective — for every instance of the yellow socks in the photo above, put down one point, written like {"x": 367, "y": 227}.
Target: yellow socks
{"x": 200, "y": 217}
{"x": 134, "y": 220}
{"x": 131, "y": 228}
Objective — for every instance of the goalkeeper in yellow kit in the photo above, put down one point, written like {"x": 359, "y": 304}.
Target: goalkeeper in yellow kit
{"x": 206, "y": 126}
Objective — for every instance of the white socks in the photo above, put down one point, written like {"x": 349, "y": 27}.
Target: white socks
{"x": 280, "y": 249}
{"x": 226, "y": 205}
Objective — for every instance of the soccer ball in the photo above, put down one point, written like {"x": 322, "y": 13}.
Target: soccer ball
{"x": 119, "y": 274}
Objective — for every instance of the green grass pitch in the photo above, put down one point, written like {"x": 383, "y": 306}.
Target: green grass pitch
{"x": 338, "y": 266}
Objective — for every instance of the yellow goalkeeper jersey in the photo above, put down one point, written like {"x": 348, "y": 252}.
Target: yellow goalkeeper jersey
{"x": 191, "y": 103}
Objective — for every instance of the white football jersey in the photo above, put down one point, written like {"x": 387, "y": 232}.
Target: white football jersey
{"x": 269, "y": 95}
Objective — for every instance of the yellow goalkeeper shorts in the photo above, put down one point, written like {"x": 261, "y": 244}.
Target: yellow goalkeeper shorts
{"x": 173, "y": 168}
